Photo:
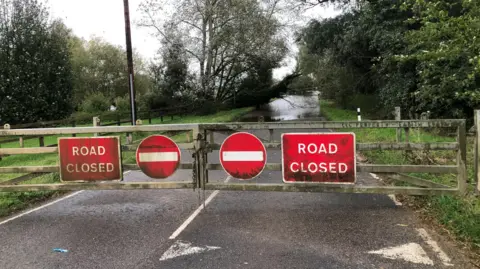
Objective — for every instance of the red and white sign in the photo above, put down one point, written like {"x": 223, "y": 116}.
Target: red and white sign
{"x": 90, "y": 159}
{"x": 158, "y": 156}
{"x": 318, "y": 157}
{"x": 243, "y": 156}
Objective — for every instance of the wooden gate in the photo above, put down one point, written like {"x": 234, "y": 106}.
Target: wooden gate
{"x": 204, "y": 145}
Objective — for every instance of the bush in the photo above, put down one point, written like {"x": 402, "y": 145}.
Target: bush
{"x": 123, "y": 105}
{"x": 82, "y": 117}
{"x": 95, "y": 103}
{"x": 337, "y": 83}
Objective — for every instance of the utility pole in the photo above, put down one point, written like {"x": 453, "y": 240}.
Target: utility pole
{"x": 131, "y": 77}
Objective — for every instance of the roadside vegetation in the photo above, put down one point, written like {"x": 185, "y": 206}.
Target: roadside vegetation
{"x": 419, "y": 55}
{"x": 460, "y": 216}
{"x": 48, "y": 73}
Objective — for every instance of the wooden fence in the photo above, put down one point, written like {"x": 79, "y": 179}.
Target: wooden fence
{"x": 108, "y": 119}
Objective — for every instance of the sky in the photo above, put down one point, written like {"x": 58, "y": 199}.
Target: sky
{"x": 105, "y": 18}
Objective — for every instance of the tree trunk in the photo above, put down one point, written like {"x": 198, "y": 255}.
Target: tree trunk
{"x": 208, "y": 70}
{"x": 202, "y": 57}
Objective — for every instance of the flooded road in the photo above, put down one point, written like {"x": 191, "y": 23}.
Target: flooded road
{"x": 287, "y": 108}
{"x": 176, "y": 229}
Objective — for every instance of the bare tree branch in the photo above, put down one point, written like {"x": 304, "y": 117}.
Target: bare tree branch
{"x": 191, "y": 24}
{"x": 159, "y": 31}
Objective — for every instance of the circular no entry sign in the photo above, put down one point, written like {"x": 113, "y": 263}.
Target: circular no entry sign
{"x": 158, "y": 156}
{"x": 243, "y": 156}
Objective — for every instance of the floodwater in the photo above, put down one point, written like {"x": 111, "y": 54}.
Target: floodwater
{"x": 288, "y": 108}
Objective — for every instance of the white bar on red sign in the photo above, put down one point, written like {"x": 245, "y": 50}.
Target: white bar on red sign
{"x": 243, "y": 156}
{"x": 158, "y": 157}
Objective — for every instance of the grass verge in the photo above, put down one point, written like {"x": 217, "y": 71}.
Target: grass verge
{"x": 459, "y": 216}
{"x": 15, "y": 201}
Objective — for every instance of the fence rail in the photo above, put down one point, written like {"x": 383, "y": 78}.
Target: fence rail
{"x": 108, "y": 116}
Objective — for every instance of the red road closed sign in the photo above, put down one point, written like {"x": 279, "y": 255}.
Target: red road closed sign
{"x": 243, "y": 156}
{"x": 90, "y": 159}
{"x": 318, "y": 157}
{"x": 158, "y": 156}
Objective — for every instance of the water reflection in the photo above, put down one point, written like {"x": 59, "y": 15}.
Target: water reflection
{"x": 290, "y": 107}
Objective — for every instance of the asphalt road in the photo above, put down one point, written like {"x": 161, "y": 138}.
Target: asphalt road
{"x": 169, "y": 229}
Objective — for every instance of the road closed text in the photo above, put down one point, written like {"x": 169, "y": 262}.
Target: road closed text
{"x": 322, "y": 167}
{"x": 341, "y": 168}
{"x": 90, "y": 159}
{"x": 89, "y": 167}
{"x": 318, "y": 157}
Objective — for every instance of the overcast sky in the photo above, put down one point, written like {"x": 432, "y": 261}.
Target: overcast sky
{"x": 105, "y": 18}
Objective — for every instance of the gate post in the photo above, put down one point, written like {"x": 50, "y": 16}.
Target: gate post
{"x": 199, "y": 160}
{"x": 462, "y": 157}
{"x": 477, "y": 148}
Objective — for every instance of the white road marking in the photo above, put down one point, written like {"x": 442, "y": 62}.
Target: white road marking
{"x": 391, "y": 196}
{"x": 242, "y": 156}
{"x": 394, "y": 199}
{"x": 47, "y": 205}
{"x": 158, "y": 157}
{"x": 411, "y": 252}
{"x": 40, "y": 207}
{"x": 428, "y": 239}
{"x": 184, "y": 248}
{"x": 195, "y": 213}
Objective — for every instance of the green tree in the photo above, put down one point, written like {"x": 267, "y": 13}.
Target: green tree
{"x": 224, "y": 41}
{"x": 172, "y": 84}
{"x": 351, "y": 56}
{"x": 420, "y": 55}
{"x": 100, "y": 67}
{"x": 446, "y": 51}
{"x": 35, "y": 74}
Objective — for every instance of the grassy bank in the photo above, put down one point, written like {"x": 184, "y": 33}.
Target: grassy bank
{"x": 11, "y": 202}
{"x": 460, "y": 216}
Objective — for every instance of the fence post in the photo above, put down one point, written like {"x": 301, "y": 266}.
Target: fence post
{"x": 41, "y": 141}
{"x": 96, "y": 123}
{"x": 118, "y": 120}
{"x": 149, "y": 117}
{"x": 398, "y": 116}
{"x": 477, "y": 148}
{"x": 407, "y": 138}
{"x": 74, "y": 125}
{"x": 21, "y": 142}
{"x": 462, "y": 158}
{"x": 6, "y": 127}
